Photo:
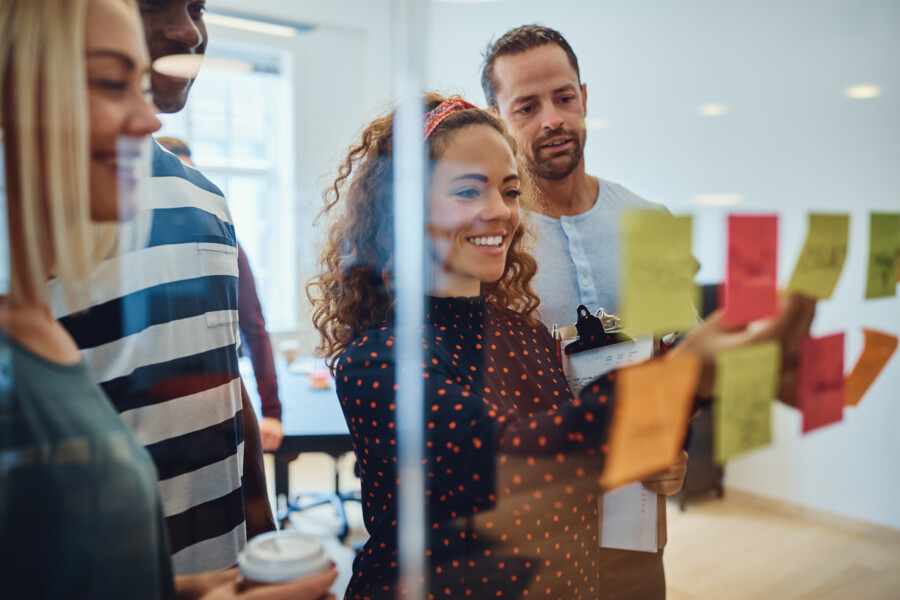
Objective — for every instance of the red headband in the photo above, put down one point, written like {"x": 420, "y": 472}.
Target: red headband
{"x": 442, "y": 111}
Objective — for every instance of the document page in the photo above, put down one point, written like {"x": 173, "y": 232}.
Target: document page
{"x": 628, "y": 519}
{"x": 627, "y": 515}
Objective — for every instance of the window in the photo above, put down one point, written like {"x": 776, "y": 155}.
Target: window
{"x": 234, "y": 123}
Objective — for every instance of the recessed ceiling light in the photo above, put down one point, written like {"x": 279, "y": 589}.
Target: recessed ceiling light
{"x": 250, "y": 25}
{"x": 596, "y": 123}
{"x": 712, "y": 109}
{"x": 862, "y": 91}
{"x": 717, "y": 199}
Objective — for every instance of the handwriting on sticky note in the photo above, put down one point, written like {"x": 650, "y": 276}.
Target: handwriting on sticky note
{"x": 657, "y": 288}
{"x": 877, "y": 351}
{"x": 746, "y": 383}
{"x": 884, "y": 255}
{"x": 752, "y": 275}
{"x": 650, "y": 415}
{"x": 820, "y": 396}
{"x": 822, "y": 258}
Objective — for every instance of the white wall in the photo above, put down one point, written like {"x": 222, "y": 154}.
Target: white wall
{"x": 791, "y": 143}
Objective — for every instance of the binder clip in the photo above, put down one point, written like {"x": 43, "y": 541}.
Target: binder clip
{"x": 596, "y": 331}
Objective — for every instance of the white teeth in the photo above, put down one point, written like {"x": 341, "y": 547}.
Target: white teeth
{"x": 492, "y": 240}
{"x": 560, "y": 143}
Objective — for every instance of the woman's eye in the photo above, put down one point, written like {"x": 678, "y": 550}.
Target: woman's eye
{"x": 468, "y": 193}
{"x": 111, "y": 85}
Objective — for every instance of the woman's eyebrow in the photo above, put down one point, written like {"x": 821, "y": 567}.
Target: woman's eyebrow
{"x": 475, "y": 176}
{"x": 126, "y": 60}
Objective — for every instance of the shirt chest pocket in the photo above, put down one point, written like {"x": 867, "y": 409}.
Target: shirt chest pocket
{"x": 218, "y": 260}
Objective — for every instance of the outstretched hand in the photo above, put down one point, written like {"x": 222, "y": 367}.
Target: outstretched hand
{"x": 788, "y": 328}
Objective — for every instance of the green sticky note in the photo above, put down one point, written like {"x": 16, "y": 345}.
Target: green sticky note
{"x": 746, "y": 383}
{"x": 822, "y": 258}
{"x": 884, "y": 255}
{"x": 657, "y": 288}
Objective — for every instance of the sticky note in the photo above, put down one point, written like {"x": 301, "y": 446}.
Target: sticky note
{"x": 746, "y": 383}
{"x": 820, "y": 395}
{"x": 884, "y": 255}
{"x": 657, "y": 289}
{"x": 877, "y": 350}
{"x": 822, "y": 258}
{"x": 650, "y": 415}
{"x": 752, "y": 274}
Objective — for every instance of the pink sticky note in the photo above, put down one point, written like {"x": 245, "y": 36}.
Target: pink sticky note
{"x": 820, "y": 396}
{"x": 751, "y": 278}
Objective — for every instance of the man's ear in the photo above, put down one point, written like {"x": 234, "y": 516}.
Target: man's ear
{"x": 584, "y": 98}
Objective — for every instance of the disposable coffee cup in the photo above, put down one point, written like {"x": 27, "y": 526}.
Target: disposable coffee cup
{"x": 281, "y": 556}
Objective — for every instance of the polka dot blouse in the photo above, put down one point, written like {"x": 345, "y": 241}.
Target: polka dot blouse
{"x": 512, "y": 460}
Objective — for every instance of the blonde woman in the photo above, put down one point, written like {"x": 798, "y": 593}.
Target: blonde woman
{"x": 80, "y": 515}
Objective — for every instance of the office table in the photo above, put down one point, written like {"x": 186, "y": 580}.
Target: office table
{"x": 312, "y": 421}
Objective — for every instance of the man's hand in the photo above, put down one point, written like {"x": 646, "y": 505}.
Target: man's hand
{"x": 271, "y": 433}
{"x": 668, "y": 482}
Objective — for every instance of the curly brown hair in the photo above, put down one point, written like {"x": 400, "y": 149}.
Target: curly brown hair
{"x": 354, "y": 291}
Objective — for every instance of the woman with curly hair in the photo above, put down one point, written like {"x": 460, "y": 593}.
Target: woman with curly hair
{"x": 499, "y": 410}
{"x": 512, "y": 460}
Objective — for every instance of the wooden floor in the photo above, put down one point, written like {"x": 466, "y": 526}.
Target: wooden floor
{"x": 735, "y": 549}
{"x": 729, "y": 549}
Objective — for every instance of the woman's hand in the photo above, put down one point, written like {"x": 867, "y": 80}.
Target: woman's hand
{"x": 788, "y": 328}
{"x": 228, "y": 585}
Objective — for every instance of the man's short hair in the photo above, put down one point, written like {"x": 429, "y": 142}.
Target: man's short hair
{"x": 516, "y": 41}
{"x": 174, "y": 145}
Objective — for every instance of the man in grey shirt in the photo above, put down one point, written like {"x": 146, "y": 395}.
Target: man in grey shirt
{"x": 531, "y": 77}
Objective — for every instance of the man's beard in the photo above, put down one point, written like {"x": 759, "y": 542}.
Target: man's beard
{"x": 550, "y": 168}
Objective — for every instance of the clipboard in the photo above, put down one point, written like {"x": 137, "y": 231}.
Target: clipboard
{"x": 594, "y": 346}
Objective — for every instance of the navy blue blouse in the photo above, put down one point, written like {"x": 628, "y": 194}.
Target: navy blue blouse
{"x": 512, "y": 459}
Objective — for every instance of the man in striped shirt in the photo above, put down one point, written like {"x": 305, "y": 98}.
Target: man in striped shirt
{"x": 161, "y": 334}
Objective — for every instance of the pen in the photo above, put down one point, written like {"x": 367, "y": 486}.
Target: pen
{"x": 558, "y": 341}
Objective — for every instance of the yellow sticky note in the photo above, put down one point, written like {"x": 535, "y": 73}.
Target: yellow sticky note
{"x": 746, "y": 383}
{"x": 822, "y": 258}
{"x": 657, "y": 289}
{"x": 877, "y": 350}
{"x": 884, "y": 254}
{"x": 650, "y": 415}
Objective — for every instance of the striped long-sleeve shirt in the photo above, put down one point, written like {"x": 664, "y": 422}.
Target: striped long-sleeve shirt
{"x": 161, "y": 337}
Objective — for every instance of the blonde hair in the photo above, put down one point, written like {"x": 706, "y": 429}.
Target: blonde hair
{"x": 354, "y": 288}
{"x": 44, "y": 117}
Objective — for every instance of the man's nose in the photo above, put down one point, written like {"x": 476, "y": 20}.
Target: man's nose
{"x": 550, "y": 118}
{"x": 181, "y": 28}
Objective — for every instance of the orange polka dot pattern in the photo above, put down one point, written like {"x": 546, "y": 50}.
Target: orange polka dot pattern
{"x": 512, "y": 460}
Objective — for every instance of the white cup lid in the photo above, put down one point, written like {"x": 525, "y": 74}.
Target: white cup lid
{"x": 282, "y": 556}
